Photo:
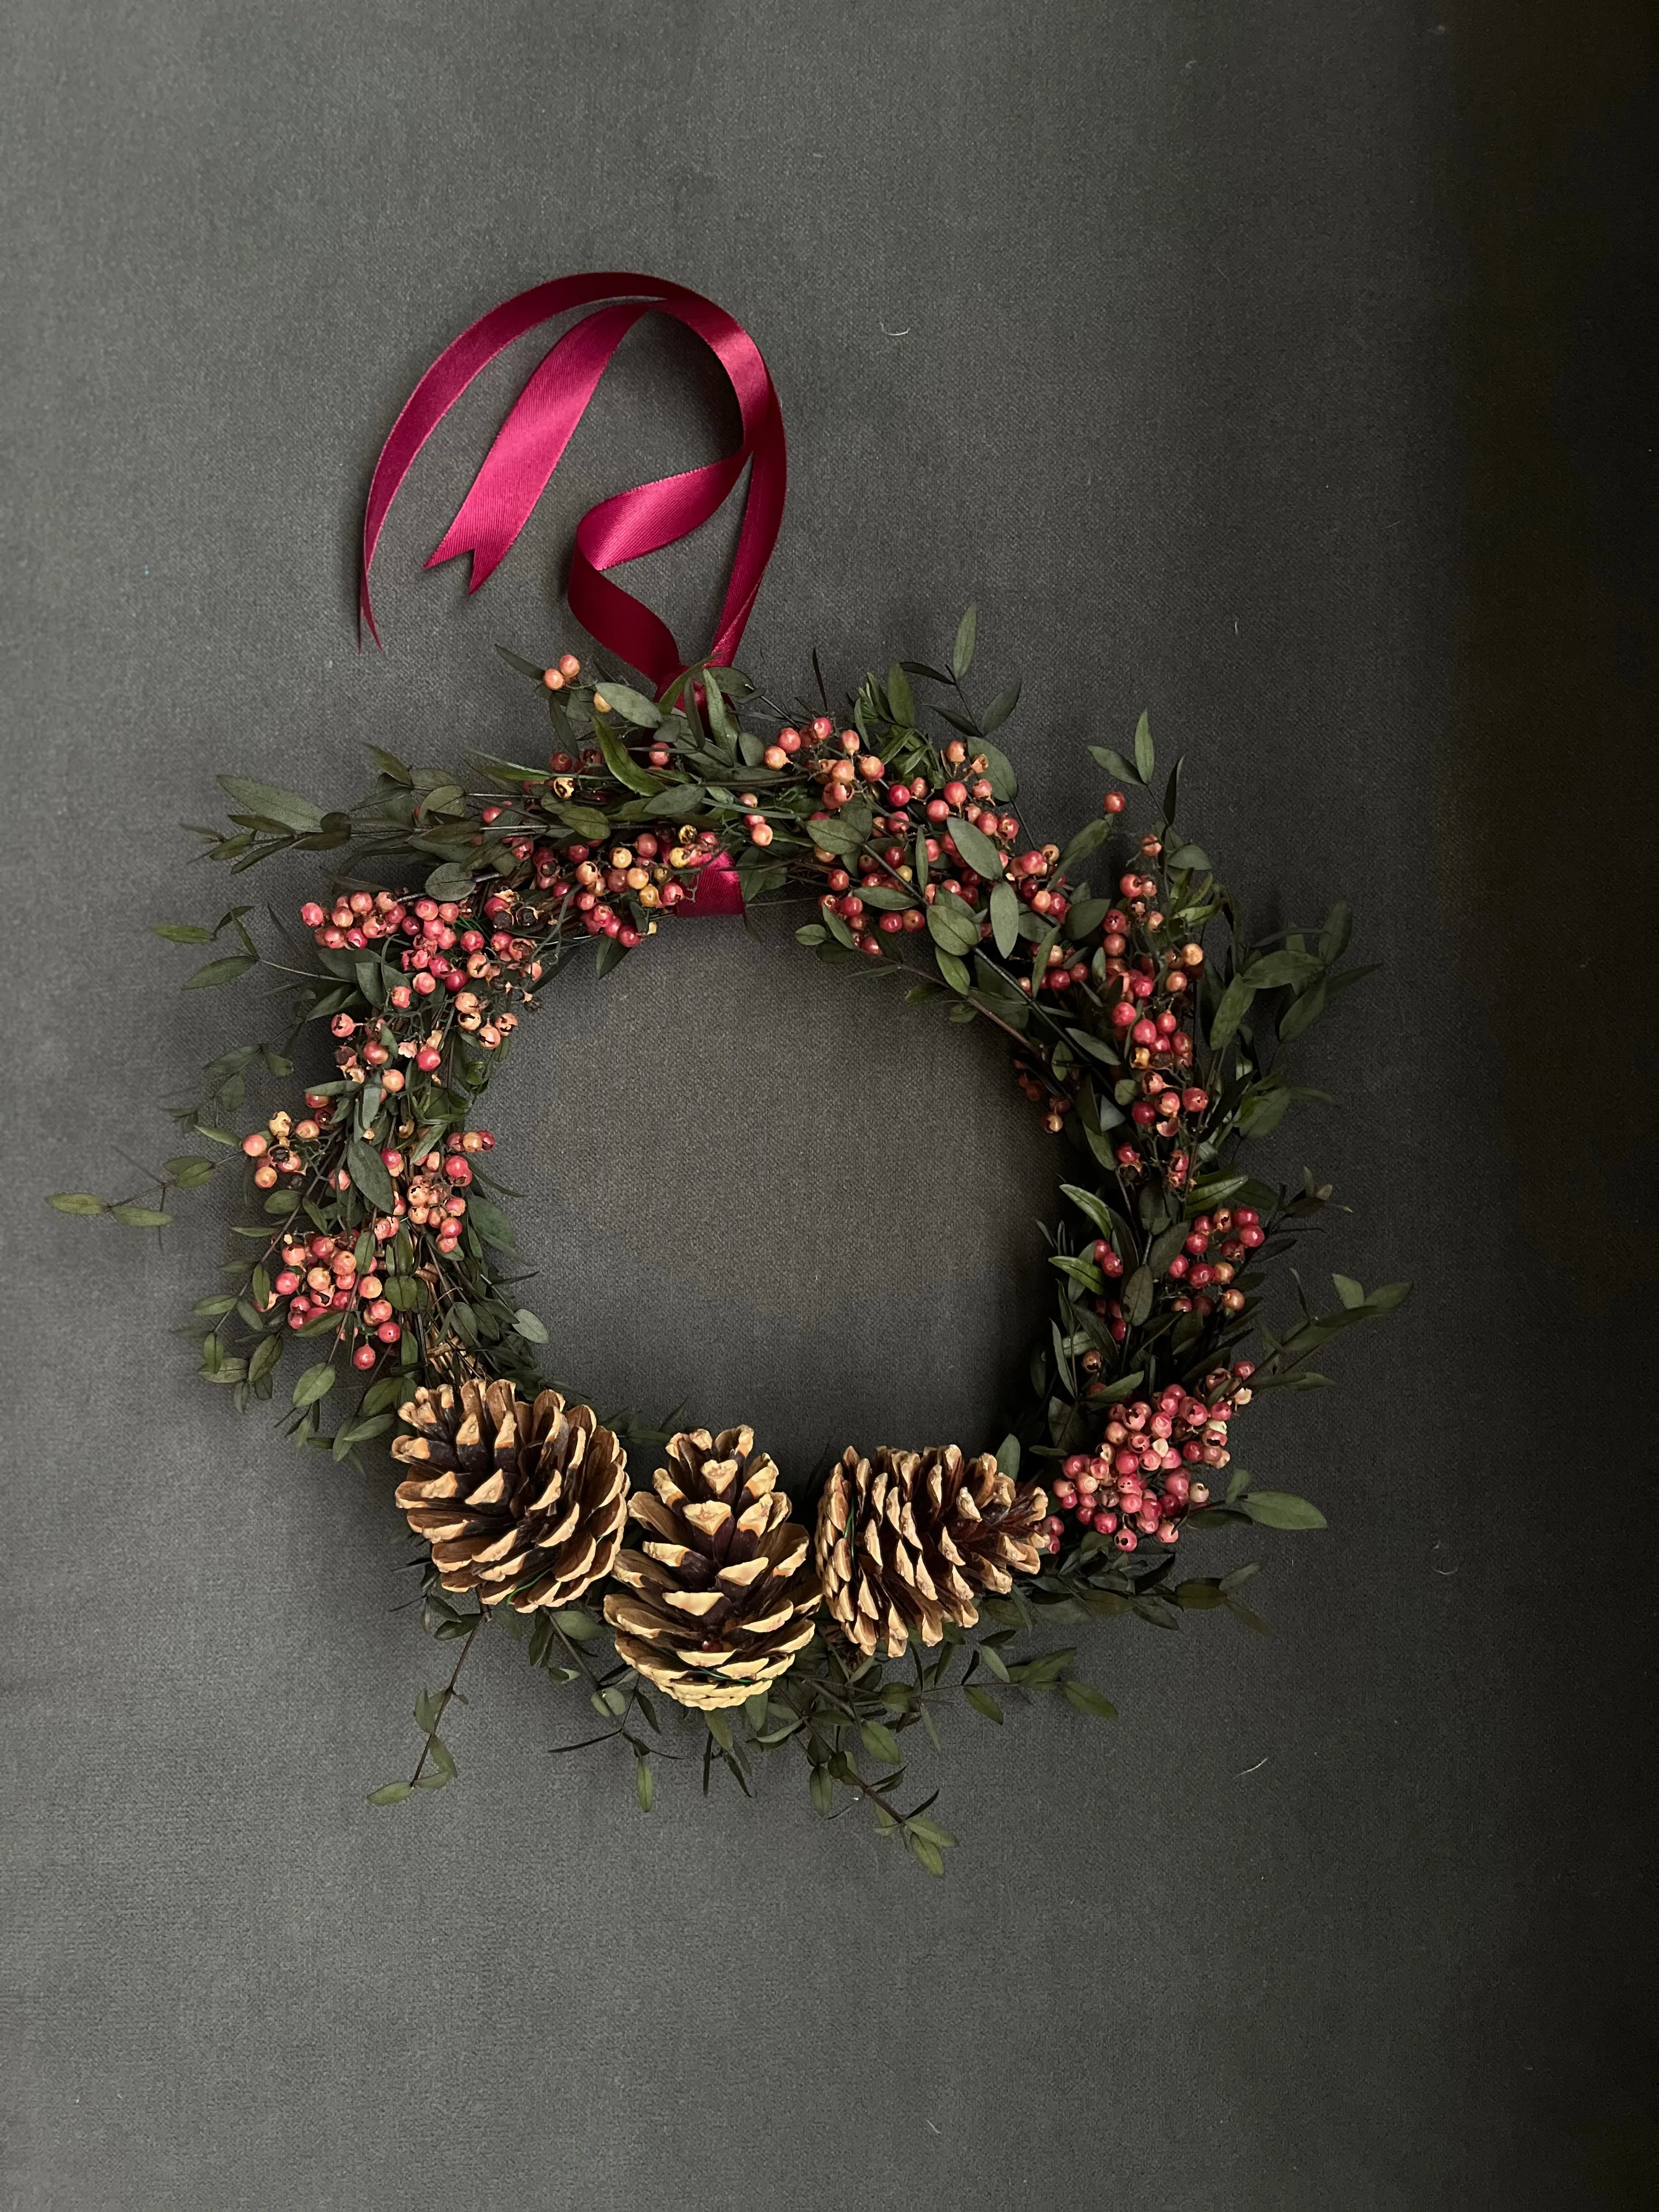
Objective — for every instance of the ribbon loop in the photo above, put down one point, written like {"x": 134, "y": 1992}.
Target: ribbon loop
{"x": 532, "y": 441}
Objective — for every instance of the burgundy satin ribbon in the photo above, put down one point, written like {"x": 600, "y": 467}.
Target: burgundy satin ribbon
{"x": 719, "y": 890}
{"x": 527, "y": 450}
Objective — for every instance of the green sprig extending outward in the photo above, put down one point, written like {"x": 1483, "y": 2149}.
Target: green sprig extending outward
{"x": 378, "y": 1239}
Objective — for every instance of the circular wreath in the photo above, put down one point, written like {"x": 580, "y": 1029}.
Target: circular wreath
{"x": 821, "y": 1618}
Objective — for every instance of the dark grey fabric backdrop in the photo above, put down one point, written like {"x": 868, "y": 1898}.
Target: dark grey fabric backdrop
{"x": 1274, "y": 368}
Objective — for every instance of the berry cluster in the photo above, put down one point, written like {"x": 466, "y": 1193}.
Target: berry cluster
{"x": 433, "y": 1185}
{"x": 1200, "y": 1277}
{"x": 321, "y": 1276}
{"x": 325, "y": 1273}
{"x": 450, "y": 955}
{"x": 1142, "y": 1483}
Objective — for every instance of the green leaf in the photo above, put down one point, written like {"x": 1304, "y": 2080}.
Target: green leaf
{"x": 1303, "y": 1013}
{"x": 1000, "y": 709}
{"x": 443, "y": 798}
{"x": 578, "y": 1624}
{"x": 220, "y": 971}
{"x": 645, "y": 1788}
{"x": 265, "y": 1357}
{"x": 1234, "y": 1004}
{"x": 360, "y": 1432}
{"x": 925, "y": 1854}
{"x": 447, "y": 881}
{"x": 881, "y": 1743}
{"x": 1333, "y": 938}
{"x": 316, "y": 1382}
{"x": 1263, "y": 1109}
{"x": 388, "y": 763}
{"x": 284, "y": 806}
{"x": 1200, "y": 1596}
{"x": 525, "y": 1323}
{"x": 140, "y": 1217}
{"x": 75, "y": 1201}
{"x": 836, "y": 835}
{"x": 1172, "y": 799}
{"x": 632, "y": 706}
{"x": 1144, "y": 758}
{"x": 584, "y": 822}
{"x": 1119, "y": 1387}
{"x": 1190, "y": 856}
{"x": 1115, "y": 765}
{"x": 1008, "y": 1456}
{"x": 1165, "y": 1247}
{"x": 1349, "y": 1291}
{"x": 1279, "y": 1509}
{"x": 1137, "y": 1297}
{"x": 1212, "y": 1189}
{"x": 983, "y": 1702}
{"x": 617, "y": 759}
{"x": 962, "y": 653}
{"x": 189, "y": 1171}
{"x": 954, "y": 971}
{"x": 1088, "y": 1700}
{"x": 1274, "y": 969}
{"x": 183, "y": 932}
{"x": 1088, "y": 839}
{"x": 812, "y": 933}
{"x": 1385, "y": 1300}
{"x": 1096, "y": 1208}
{"x": 900, "y": 699}
{"x": 999, "y": 770}
{"x": 390, "y": 1792}
{"x": 491, "y": 1224}
{"x": 975, "y": 848}
{"x": 369, "y": 1171}
{"x": 526, "y": 668}
{"x": 1005, "y": 918}
{"x": 952, "y": 924}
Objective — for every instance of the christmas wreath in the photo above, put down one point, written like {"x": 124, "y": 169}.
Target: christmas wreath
{"x": 819, "y": 1617}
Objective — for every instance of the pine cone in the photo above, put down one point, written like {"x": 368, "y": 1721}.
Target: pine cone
{"x": 723, "y": 1595}
{"x": 906, "y": 1540}
{"x": 517, "y": 1500}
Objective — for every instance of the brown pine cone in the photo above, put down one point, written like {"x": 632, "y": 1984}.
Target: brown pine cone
{"x": 517, "y": 1500}
{"x": 906, "y": 1539}
{"x": 722, "y": 1595}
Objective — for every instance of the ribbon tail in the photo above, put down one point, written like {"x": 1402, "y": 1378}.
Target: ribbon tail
{"x": 530, "y": 443}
